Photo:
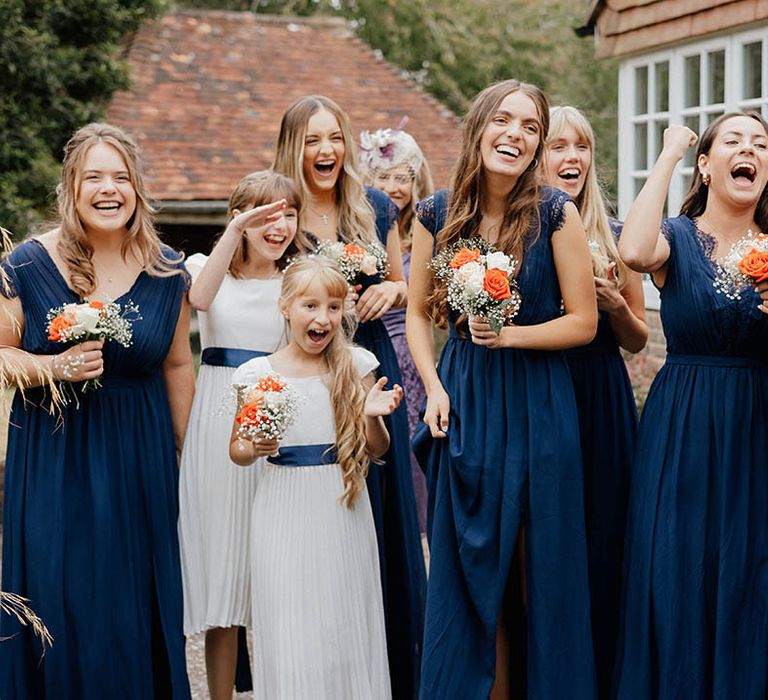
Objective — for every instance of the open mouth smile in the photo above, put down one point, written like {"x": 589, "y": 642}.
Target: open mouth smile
{"x": 508, "y": 151}
{"x": 570, "y": 174}
{"x": 325, "y": 167}
{"x": 744, "y": 173}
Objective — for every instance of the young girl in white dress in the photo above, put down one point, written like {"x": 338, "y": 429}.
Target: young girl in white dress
{"x": 318, "y": 615}
{"x": 235, "y": 291}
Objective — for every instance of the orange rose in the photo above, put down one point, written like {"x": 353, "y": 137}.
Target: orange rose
{"x": 353, "y": 249}
{"x": 59, "y": 325}
{"x": 250, "y": 414}
{"x": 464, "y": 256}
{"x": 496, "y": 284}
{"x": 269, "y": 384}
{"x": 755, "y": 265}
{"x": 96, "y": 304}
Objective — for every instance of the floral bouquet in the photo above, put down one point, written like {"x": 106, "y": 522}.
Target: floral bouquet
{"x": 480, "y": 281}
{"x": 270, "y": 407}
{"x": 355, "y": 259}
{"x": 92, "y": 320}
{"x": 746, "y": 264}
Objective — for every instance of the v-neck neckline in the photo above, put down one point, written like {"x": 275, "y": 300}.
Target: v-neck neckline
{"x": 64, "y": 282}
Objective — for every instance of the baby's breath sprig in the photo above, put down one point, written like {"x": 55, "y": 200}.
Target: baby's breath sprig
{"x": 480, "y": 281}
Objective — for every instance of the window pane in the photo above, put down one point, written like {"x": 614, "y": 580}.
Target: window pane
{"x": 692, "y": 81}
{"x": 712, "y": 116}
{"x": 716, "y": 77}
{"x": 658, "y": 130}
{"x": 753, "y": 70}
{"x": 692, "y": 122}
{"x": 639, "y": 182}
{"x": 641, "y": 90}
{"x": 641, "y": 146}
{"x": 661, "y": 103}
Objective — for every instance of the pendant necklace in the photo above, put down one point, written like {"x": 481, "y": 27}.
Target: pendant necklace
{"x": 325, "y": 218}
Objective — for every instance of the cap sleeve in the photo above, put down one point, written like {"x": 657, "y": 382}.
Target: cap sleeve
{"x": 616, "y": 228}
{"x": 432, "y": 211}
{"x": 554, "y": 202}
{"x": 364, "y": 360}
{"x": 195, "y": 263}
{"x": 385, "y": 211}
{"x": 249, "y": 372}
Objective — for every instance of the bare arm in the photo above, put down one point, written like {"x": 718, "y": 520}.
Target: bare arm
{"x": 179, "y": 375}
{"x": 642, "y": 245}
{"x": 418, "y": 326}
{"x": 625, "y": 309}
{"x": 25, "y": 370}
{"x": 207, "y": 282}
{"x": 378, "y": 403}
{"x": 577, "y": 325}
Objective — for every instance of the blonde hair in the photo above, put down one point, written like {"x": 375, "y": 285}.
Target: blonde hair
{"x": 464, "y": 215}
{"x": 254, "y": 190}
{"x": 591, "y": 201}
{"x": 356, "y": 217}
{"x": 347, "y": 392}
{"x": 142, "y": 239}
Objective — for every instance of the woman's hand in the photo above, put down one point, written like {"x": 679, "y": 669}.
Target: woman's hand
{"x": 375, "y": 301}
{"x": 483, "y": 334}
{"x": 380, "y": 402}
{"x": 609, "y": 298}
{"x": 79, "y": 363}
{"x": 437, "y": 411}
{"x": 762, "y": 290}
{"x": 258, "y": 217}
{"x": 677, "y": 140}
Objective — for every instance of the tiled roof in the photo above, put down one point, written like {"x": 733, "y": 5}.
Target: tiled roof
{"x": 209, "y": 89}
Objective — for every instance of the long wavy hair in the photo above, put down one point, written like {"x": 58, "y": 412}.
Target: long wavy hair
{"x": 521, "y": 216}
{"x": 356, "y": 217}
{"x": 591, "y": 201}
{"x": 141, "y": 238}
{"x": 347, "y": 392}
{"x": 254, "y": 190}
{"x": 695, "y": 201}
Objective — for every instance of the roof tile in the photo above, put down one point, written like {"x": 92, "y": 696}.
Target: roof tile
{"x": 209, "y": 90}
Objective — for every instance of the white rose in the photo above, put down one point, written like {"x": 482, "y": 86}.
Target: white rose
{"x": 498, "y": 261}
{"x": 369, "y": 265}
{"x": 471, "y": 276}
{"x": 87, "y": 318}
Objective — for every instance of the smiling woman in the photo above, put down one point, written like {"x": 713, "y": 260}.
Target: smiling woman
{"x": 91, "y": 489}
{"x": 695, "y": 620}
{"x": 507, "y": 601}
{"x": 315, "y": 147}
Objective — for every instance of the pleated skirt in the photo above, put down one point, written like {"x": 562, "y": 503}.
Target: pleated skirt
{"x": 695, "y": 617}
{"x": 318, "y": 615}
{"x": 215, "y": 499}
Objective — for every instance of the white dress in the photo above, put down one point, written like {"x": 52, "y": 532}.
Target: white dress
{"x": 318, "y": 614}
{"x": 215, "y": 495}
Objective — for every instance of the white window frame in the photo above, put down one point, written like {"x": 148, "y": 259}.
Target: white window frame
{"x": 733, "y": 45}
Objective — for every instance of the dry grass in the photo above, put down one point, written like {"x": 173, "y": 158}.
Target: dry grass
{"x": 14, "y": 374}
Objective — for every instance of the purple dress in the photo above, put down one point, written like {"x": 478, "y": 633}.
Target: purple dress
{"x": 415, "y": 394}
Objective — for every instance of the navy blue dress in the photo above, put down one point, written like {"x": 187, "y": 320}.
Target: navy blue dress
{"x": 511, "y": 460}
{"x": 390, "y": 488}
{"x": 608, "y": 430}
{"x": 90, "y": 510}
{"x": 696, "y": 611}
